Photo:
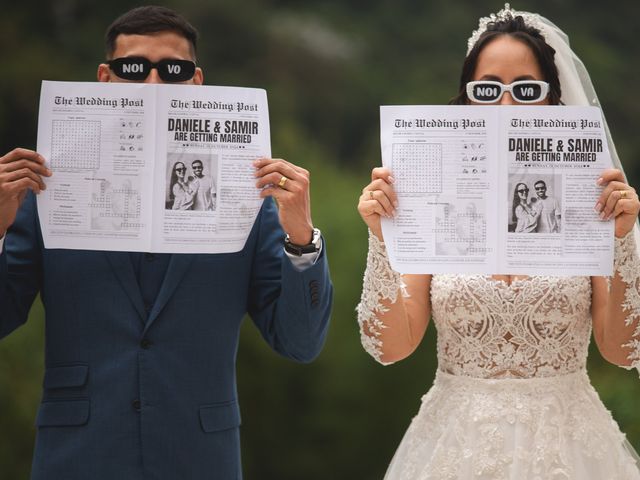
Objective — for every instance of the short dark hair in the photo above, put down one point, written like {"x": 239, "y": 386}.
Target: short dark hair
{"x": 150, "y": 19}
{"x": 197, "y": 160}
{"x": 540, "y": 182}
{"x": 516, "y": 28}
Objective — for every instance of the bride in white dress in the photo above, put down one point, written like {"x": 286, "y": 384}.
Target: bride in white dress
{"x": 511, "y": 398}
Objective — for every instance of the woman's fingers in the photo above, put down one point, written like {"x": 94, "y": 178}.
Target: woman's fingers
{"x": 376, "y": 201}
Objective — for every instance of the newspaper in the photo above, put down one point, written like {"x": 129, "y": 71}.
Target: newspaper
{"x": 150, "y": 168}
{"x": 496, "y": 190}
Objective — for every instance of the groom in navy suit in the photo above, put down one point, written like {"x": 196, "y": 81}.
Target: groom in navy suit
{"x": 140, "y": 348}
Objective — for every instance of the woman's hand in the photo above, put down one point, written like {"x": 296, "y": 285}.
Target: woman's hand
{"x": 618, "y": 200}
{"x": 378, "y": 200}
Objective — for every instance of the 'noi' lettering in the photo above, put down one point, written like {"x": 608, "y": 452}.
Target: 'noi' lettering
{"x": 132, "y": 68}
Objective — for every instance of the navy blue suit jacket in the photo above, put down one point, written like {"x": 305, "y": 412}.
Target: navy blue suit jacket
{"x": 134, "y": 393}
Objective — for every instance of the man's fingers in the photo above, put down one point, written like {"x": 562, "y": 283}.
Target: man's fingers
{"x": 280, "y": 195}
{"x": 38, "y": 168}
{"x": 274, "y": 164}
{"x": 283, "y": 168}
{"x": 19, "y": 187}
{"x": 12, "y": 177}
{"x": 276, "y": 179}
{"x": 22, "y": 153}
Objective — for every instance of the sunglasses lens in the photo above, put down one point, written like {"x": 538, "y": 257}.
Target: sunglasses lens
{"x": 485, "y": 92}
{"x": 131, "y": 68}
{"x": 528, "y": 92}
{"x": 172, "y": 70}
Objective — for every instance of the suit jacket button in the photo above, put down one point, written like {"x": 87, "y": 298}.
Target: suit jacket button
{"x": 136, "y": 405}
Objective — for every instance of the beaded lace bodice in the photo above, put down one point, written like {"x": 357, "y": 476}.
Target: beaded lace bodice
{"x": 534, "y": 327}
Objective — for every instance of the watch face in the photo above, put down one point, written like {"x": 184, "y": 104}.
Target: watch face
{"x": 315, "y": 240}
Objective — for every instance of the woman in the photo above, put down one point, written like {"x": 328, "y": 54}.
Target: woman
{"x": 181, "y": 193}
{"x": 511, "y": 398}
{"x": 522, "y": 213}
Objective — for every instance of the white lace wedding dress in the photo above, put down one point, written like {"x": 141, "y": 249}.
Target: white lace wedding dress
{"x": 511, "y": 398}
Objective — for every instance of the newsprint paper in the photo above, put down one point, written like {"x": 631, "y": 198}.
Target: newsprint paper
{"x": 150, "y": 168}
{"x": 496, "y": 190}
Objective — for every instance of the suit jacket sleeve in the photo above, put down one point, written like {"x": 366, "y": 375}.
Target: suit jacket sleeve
{"x": 20, "y": 268}
{"x": 291, "y": 308}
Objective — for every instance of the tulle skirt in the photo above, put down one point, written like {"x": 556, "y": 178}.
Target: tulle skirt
{"x": 517, "y": 429}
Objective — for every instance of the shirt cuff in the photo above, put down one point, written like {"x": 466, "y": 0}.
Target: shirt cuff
{"x": 305, "y": 260}
{"x": 2, "y": 242}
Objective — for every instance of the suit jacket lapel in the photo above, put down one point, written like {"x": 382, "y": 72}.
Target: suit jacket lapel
{"x": 178, "y": 266}
{"x": 121, "y": 263}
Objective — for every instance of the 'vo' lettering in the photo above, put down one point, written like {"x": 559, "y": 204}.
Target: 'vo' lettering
{"x": 132, "y": 68}
{"x": 174, "y": 69}
{"x": 488, "y": 91}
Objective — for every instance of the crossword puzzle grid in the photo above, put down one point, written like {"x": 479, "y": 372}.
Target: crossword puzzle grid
{"x": 418, "y": 167}
{"x": 474, "y": 228}
{"x": 447, "y": 229}
{"x": 128, "y": 206}
{"x": 75, "y": 144}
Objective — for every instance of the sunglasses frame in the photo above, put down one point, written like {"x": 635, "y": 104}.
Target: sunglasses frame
{"x": 162, "y": 67}
{"x": 544, "y": 90}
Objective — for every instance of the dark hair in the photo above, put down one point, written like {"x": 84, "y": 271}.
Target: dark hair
{"x": 540, "y": 181}
{"x": 147, "y": 20}
{"x": 516, "y": 28}
{"x": 174, "y": 180}
{"x": 516, "y": 201}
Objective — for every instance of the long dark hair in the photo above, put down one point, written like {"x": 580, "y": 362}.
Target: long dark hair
{"x": 516, "y": 201}
{"x": 516, "y": 28}
{"x": 174, "y": 179}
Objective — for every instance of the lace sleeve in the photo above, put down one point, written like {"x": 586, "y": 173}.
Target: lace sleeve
{"x": 380, "y": 282}
{"x": 627, "y": 264}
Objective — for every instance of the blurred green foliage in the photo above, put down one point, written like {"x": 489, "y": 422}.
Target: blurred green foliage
{"x": 327, "y": 66}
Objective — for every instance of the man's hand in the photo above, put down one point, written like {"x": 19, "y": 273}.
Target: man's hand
{"x": 20, "y": 170}
{"x": 289, "y": 185}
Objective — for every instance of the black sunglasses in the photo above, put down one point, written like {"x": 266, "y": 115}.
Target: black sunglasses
{"x": 523, "y": 190}
{"x": 170, "y": 70}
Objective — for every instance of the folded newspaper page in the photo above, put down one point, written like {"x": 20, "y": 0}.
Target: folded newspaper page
{"x": 150, "y": 168}
{"x": 496, "y": 190}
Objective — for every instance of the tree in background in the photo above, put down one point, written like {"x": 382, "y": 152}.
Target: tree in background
{"x": 327, "y": 66}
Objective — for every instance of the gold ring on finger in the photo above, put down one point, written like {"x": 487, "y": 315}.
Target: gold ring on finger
{"x": 282, "y": 181}
{"x": 623, "y": 193}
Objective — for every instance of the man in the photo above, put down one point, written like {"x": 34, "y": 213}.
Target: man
{"x": 140, "y": 348}
{"x": 548, "y": 209}
{"x": 205, "y": 194}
